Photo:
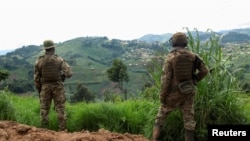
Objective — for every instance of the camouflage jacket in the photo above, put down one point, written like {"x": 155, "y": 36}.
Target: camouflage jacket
{"x": 168, "y": 82}
{"x": 38, "y": 76}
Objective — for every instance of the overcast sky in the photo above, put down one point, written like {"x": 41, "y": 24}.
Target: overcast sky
{"x": 30, "y": 22}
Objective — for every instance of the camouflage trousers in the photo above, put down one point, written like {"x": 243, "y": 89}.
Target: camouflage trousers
{"x": 55, "y": 92}
{"x": 184, "y": 103}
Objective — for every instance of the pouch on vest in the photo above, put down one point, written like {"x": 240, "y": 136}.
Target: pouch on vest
{"x": 186, "y": 87}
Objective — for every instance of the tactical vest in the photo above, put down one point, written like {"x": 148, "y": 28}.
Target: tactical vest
{"x": 183, "y": 65}
{"x": 51, "y": 69}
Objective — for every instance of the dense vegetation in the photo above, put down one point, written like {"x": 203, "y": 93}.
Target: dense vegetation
{"x": 90, "y": 57}
{"x": 219, "y": 100}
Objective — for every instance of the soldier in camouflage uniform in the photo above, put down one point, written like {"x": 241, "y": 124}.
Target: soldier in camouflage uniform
{"x": 179, "y": 77}
{"x": 49, "y": 73}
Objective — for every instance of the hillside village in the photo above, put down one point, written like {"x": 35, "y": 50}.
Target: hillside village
{"x": 142, "y": 54}
{"x": 235, "y": 49}
{"x": 89, "y": 61}
{"x": 145, "y": 55}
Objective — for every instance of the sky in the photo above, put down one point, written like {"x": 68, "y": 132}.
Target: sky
{"x": 30, "y": 22}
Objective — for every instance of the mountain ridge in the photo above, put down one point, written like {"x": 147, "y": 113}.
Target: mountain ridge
{"x": 165, "y": 37}
{"x": 90, "y": 57}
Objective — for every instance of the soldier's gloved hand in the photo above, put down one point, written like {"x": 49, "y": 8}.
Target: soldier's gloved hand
{"x": 63, "y": 77}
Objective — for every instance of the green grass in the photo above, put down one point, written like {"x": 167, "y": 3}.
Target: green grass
{"x": 128, "y": 116}
{"x": 246, "y": 99}
{"x": 25, "y": 109}
{"x": 132, "y": 116}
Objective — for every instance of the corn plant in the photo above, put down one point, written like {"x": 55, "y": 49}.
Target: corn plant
{"x": 216, "y": 101}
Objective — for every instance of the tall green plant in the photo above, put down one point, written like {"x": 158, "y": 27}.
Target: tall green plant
{"x": 216, "y": 100}
{"x": 154, "y": 68}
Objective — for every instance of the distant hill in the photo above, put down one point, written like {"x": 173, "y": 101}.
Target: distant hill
{"x": 240, "y": 30}
{"x": 156, "y": 38}
{"x": 229, "y": 36}
{"x": 3, "y": 52}
{"x": 90, "y": 57}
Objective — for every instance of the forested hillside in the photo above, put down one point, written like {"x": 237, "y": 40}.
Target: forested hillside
{"x": 90, "y": 57}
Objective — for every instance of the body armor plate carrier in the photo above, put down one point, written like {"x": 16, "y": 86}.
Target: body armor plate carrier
{"x": 51, "y": 69}
{"x": 183, "y": 64}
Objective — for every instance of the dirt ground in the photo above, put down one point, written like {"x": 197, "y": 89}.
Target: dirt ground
{"x": 13, "y": 131}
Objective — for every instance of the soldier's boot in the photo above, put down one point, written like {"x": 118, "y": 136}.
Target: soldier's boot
{"x": 189, "y": 135}
{"x": 61, "y": 119}
{"x": 156, "y": 132}
{"x": 62, "y": 126}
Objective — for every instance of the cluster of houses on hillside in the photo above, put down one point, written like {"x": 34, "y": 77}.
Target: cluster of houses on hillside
{"x": 235, "y": 49}
{"x": 139, "y": 55}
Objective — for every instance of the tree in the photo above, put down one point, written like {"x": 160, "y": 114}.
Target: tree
{"x": 118, "y": 73}
{"x": 82, "y": 94}
{"x": 3, "y": 75}
{"x": 21, "y": 86}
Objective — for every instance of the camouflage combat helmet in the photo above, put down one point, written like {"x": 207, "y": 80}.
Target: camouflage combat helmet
{"x": 179, "y": 39}
{"x": 47, "y": 44}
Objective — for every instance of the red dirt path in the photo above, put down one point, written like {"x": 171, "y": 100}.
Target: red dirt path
{"x": 13, "y": 131}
